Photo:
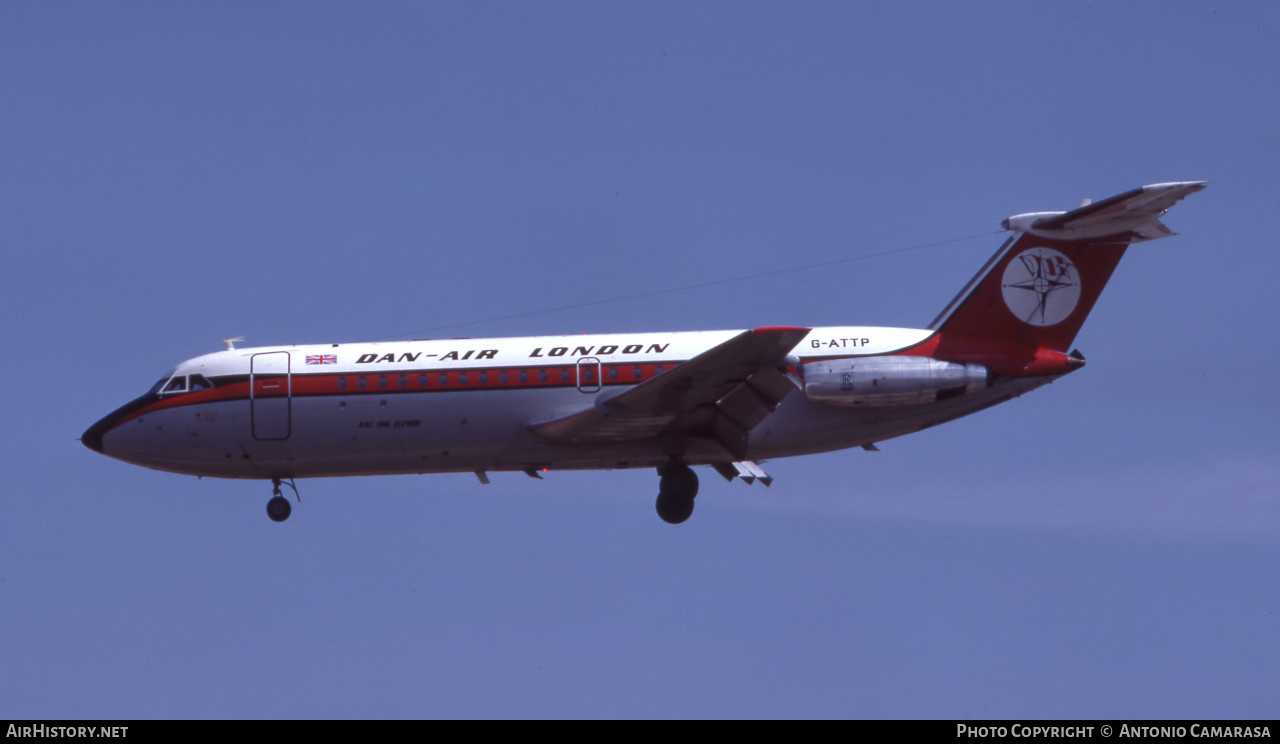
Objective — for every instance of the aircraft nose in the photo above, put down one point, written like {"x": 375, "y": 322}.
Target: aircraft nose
{"x": 92, "y": 437}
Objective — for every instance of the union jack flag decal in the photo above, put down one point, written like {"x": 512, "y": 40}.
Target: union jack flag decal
{"x": 322, "y": 359}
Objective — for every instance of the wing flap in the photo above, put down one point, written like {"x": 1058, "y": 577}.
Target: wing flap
{"x": 749, "y": 403}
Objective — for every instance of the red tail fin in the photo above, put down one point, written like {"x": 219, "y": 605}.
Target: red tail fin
{"x": 1039, "y": 287}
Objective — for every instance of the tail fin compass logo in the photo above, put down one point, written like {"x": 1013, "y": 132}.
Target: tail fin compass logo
{"x": 1041, "y": 286}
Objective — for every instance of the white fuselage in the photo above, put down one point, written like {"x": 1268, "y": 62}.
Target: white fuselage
{"x": 467, "y": 405}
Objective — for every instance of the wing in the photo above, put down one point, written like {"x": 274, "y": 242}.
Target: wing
{"x": 722, "y": 393}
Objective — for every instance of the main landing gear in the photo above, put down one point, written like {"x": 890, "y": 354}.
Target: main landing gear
{"x": 278, "y": 507}
{"x": 676, "y": 491}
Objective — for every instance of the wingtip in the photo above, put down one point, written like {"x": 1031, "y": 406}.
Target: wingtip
{"x": 1188, "y": 186}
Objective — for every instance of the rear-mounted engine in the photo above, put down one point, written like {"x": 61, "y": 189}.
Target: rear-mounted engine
{"x": 890, "y": 380}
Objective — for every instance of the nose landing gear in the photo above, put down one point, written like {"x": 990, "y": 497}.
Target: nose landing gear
{"x": 278, "y": 508}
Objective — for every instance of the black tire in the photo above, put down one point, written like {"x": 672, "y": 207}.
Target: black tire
{"x": 676, "y": 492}
{"x": 279, "y": 509}
{"x": 674, "y": 508}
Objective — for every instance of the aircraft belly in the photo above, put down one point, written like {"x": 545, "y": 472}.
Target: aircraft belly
{"x": 410, "y": 432}
{"x": 400, "y": 433}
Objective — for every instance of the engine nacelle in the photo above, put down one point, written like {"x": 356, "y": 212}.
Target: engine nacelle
{"x": 890, "y": 380}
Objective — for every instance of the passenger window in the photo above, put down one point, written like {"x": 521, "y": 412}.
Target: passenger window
{"x": 444, "y": 379}
{"x": 462, "y": 378}
{"x": 342, "y": 383}
{"x": 422, "y": 380}
{"x": 564, "y": 375}
{"x": 403, "y": 381}
{"x": 542, "y": 375}
{"x": 524, "y": 375}
{"x": 382, "y": 381}
{"x": 361, "y": 382}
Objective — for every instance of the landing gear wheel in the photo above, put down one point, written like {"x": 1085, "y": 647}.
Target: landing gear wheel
{"x": 676, "y": 491}
{"x": 278, "y": 509}
{"x": 674, "y": 509}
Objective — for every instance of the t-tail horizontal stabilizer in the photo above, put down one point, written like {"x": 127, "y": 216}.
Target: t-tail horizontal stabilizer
{"x": 1134, "y": 213}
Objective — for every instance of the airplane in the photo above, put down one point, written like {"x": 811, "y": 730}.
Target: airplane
{"x": 730, "y": 400}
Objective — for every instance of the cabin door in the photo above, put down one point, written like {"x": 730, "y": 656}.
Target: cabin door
{"x": 270, "y": 395}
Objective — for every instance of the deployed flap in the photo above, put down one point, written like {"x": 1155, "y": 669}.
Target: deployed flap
{"x": 1134, "y": 213}
{"x": 735, "y": 384}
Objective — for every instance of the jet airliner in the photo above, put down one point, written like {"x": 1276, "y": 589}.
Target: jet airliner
{"x": 728, "y": 400}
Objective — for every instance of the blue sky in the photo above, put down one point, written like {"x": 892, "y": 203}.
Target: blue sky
{"x": 178, "y": 173}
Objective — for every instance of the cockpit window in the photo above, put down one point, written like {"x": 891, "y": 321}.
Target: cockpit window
{"x": 180, "y": 384}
